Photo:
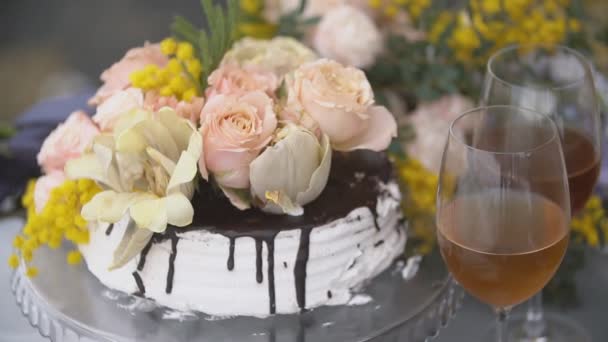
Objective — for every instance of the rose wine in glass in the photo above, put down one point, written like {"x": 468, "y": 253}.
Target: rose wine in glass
{"x": 503, "y": 205}
{"x": 558, "y": 82}
{"x": 528, "y": 236}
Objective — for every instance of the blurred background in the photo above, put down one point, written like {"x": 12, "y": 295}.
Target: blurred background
{"x": 51, "y": 48}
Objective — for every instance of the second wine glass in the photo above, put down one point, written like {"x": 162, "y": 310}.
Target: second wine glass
{"x": 556, "y": 81}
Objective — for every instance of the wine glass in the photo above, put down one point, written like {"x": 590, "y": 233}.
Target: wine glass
{"x": 556, "y": 81}
{"x": 503, "y": 206}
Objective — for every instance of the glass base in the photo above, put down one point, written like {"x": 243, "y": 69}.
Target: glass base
{"x": 557, "y": 328}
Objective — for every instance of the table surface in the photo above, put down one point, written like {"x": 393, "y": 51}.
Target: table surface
{"x": 472, "y": 320}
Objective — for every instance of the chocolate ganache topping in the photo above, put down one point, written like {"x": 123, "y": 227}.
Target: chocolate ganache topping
{"x": 353, "y": 183}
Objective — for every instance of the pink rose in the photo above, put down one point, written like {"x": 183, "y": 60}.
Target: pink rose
{"x": 231, "y": 79}
{"x": 116, "y": 78}
{"x": 340, "y": 100}
{"x": 67, "y": 141}
{"x": 235, "y": 129}
{"x": 431, "y": 121}
{"x": 119, "y": 103}
{"x": 190, "y": 110}
{"x": 44, "y": 186}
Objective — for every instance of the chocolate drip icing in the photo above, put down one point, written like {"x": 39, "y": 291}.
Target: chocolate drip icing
{"x": 299, "y": 270}
{"x": 230, "y": 262}
{"x": 271, "y": 288}
{"x": 375, "y": 216}
{"x": 140, "y": 284}
{"x": 143, "y": 255}
{"x": 171, "y": 272}
{"x": 259, "y": 276}
{"x": 109, "y": 229}
{"x": 217, "y": 215}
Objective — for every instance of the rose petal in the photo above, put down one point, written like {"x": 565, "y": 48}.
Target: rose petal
{"x": 381, "y": 129}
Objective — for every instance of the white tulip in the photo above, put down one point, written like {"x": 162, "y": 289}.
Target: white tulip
{"x": 291, "y": 173}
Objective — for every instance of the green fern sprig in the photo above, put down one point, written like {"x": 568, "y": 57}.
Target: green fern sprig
{"x": 211, "y": 44}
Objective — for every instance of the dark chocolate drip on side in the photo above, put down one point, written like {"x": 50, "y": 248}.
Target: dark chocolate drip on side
{"x": 230, "y": 262}
{"x": 109, "y": 229}
{"x": 259, "y": 276}
{"x": 172, "y": 256}
{"x": 299, "y": 270}
{"x": 271, "y": 288}
{"x": 143, "y": 255}
{"x": 140, "y": 284}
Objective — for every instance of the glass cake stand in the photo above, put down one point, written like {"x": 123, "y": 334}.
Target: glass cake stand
{"x": 70, "y": 304}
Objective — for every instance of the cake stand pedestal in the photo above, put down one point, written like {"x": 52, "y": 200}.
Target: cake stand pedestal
{"x": 69, "y": 304}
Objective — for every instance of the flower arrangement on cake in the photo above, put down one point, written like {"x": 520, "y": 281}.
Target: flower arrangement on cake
{"x": 204, "y": 147}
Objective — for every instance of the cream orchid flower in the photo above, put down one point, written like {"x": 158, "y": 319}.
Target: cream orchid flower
{"x": 147, "y": 167}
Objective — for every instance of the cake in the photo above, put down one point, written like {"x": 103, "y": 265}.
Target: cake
{"x": 225, "y": 177}
{"x": 250, "y": 263}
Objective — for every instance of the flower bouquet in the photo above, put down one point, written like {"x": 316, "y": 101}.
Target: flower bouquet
{"x": 258, "y": 120}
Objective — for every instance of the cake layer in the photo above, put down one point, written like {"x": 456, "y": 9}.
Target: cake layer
{"x": 231, "y": 262}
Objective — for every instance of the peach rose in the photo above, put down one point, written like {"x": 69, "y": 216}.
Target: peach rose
{"x": 190, "y": 110}
{"x": 44, "y": 186}
{"x": 116, "y": 78}
{"x": 232, "y": 79}
{"x": 235, "y": 129}
{"x": 69, "y": 140}
{"x": 340, "y": 100}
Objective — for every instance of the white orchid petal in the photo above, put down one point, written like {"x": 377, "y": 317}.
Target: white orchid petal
{"x": 184, "y": 172}
{"x": 86, "y": 166}
{"x": 108, "y": 206}
{"x": 180, "y": 130}
{"x": 128, "y": 170}
{"x": 131, "y": 141}
{"x": 159, "y": 136}
{"x": 166, "y": 163}
{"x": 179, "y": 210}
{"x": 150, "y": 214}
{"x": 133, "y": 241}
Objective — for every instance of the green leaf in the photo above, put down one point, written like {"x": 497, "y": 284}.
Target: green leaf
{"x": 302, "y": 6}
{"x": 213, "y": 42}
{"x": 183, "y": 30}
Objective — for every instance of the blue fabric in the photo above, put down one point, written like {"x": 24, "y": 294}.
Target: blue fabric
{"x": 33, "y": 127}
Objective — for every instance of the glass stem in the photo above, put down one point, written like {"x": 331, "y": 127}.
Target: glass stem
{"x": 535, "y": 326}
{"x": 502, "y": 316}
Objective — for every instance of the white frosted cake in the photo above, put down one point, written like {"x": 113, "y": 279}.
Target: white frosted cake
{"x": 257, "y": 184}
{"x": 231, "y": 262}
